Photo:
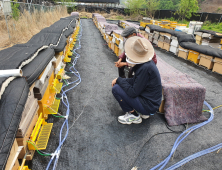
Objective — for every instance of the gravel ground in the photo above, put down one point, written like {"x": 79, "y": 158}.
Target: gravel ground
{"x": 98, "y": 141}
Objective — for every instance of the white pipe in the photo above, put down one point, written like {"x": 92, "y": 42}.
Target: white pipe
{"x": 10, "y": 73}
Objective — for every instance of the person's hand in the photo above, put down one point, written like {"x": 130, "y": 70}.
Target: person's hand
{"x": 121, "y": 64}
{"x": 114, "y": 82}
{"x": 118, "y": 62}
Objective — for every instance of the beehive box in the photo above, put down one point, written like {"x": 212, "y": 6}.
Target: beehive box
{"x": 155, "y": 41}
{"x": 150, "y": 37}
{"x": 183, "y": 53}
{"x": 174, "y": 49}
{"x": 23, "y": 141}
{"x": 12, "y": 162}
{"x": 198, "y": 42}
{"x": 120, "y": 52}
{"x": 116, "y": 49}
{"x": 160, "y": 44}
{"x": 161, "y": 38}
{"x": 166, "y": 46}
{"x": 174, "y": 43}
{"x": 217, "y": 65}
{"x": 193, "y": 56}
{"x": 112, "y": 46}
{"x": 206, "y": 61}
{"x": 167, "y": 40}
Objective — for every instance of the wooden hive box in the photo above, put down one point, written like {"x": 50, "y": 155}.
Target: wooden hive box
{"x": 206, "y": 61}
{"x": 166, "y": 46}
{"x": 23, "y": 141}
{"x": 160, "y": 44}
{"x": 12, "y": 162}
{"x": 193, "y": 56}
{"x": 174, "y": 49}
{"x": 183, "y": 53}
{"x": 217, "y": 65}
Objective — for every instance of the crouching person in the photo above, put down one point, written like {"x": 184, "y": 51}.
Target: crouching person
{"x": 141, "y": 95}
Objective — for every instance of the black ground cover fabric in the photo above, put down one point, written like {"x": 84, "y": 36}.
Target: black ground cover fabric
{"x": 204, "y": 49}
{"x": 64, "y": 23}
{"x": 32, "y": 71}
{"x": 11, "y": 107}
{"x": 52, "y": 29}
{"x": 72, "y": 22}
{"x": 57, "y": 41}
{"x": 216, "y": 34}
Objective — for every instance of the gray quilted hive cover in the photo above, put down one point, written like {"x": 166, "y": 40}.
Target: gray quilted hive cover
{"x": 183, "y": 96}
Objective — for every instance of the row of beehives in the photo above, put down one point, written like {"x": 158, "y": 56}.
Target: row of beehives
{"x": 43, "y": 99}
{"x": 112, "y": 37}
{"x": 170, "y": 43}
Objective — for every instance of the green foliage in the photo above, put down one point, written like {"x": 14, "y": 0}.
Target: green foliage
{"x": 127, "y": 11}
{"x": 169, "y": 4}
{"x": 151, "y": 6}
{"x": 134, "y": 6}
{"x": 15, "y": 10}
{"x": 207, "y": 23}
{"x": 217, "y": 27}
{"x": 71, "y": 9}
{"x": 218, "y": 9}
{"x": 187, "y": 8}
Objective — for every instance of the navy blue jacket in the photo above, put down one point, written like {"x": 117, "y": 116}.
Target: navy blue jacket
{"x": 145, "y": 84}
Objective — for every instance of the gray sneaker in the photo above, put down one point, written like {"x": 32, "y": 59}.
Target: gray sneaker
{"x": 143, "y": 116}
{"x": 129, "y": 118}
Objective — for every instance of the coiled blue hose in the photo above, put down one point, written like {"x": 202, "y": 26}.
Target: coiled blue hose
{"x": 182, "y": 136}
{"x": 65, "y": 101}
{"x": 198, "y": 154}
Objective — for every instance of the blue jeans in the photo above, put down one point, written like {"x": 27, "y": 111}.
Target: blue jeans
{"x": 126, "y": 102}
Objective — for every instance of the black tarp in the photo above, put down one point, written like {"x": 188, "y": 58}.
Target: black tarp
{"x": 11, "y": 107}
{"x": 64, "y": 23}
{"x": 186, "y": 38}
{"x": 204, "y": 49}
{"x": 58, "y": 42}
{"x": 215, "y": 34}
{"x": 32, "y": 71}
{"x": 187, "y": 41}
{"x": 66, "y": 31}
{"x": 72, "y": 22}
{"x": 12, "y": 58}
{"x": 160, "y": 29}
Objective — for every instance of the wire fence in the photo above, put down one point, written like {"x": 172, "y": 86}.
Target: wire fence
{"x": 26, "y": 19}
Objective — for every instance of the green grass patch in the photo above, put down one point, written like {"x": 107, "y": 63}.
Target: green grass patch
{"x": 217, "y": 27}
{"x": 119, "y": 17}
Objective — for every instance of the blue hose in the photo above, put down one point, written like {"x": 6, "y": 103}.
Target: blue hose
{"x": 65, "y": 101}
{"x": 182, "y": 136}
{"x": 198, "y": 154}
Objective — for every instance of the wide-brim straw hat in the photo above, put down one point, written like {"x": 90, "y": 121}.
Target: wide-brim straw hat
{"x": 138, "y": 50}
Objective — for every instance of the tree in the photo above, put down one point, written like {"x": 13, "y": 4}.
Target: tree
{"x": 166, "y": 4}
{"x": 187, "y": 7}
{"x": 134, "y": 6}
{"x": 151, "y": 6}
